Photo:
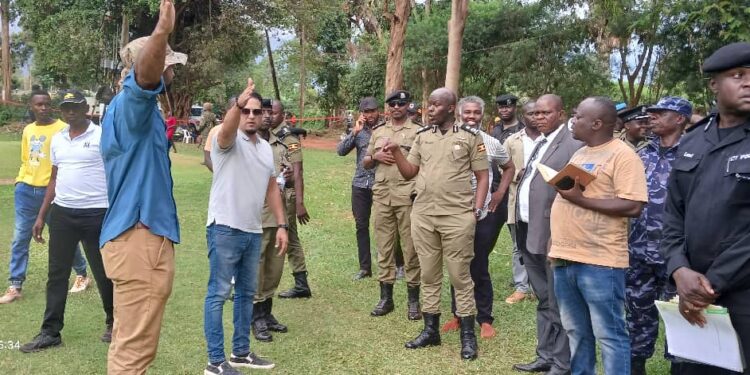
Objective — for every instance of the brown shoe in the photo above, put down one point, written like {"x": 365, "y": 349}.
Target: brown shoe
{"x": 451, "y": 325}
{"x": 487, "y": 331}
{"x": 10, "y": 295}
{"x": 516, "y": 297}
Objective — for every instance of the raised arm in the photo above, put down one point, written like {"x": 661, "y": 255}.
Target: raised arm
{"x": 228, "y": 133}
{"x": 150, "y": 65}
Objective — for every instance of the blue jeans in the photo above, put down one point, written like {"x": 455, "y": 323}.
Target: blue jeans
{"x": 231, "y": 253}
{"x": 28, "y": 199}
{"x": 592, "y": 308}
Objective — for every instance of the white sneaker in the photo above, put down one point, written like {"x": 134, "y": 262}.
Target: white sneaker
{"x": 81, "y": 283}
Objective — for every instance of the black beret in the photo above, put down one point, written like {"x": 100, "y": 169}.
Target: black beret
{"x": 635, "y": 113}
{"x": 398, "y": 95}
{"x": 730, "y": 56}
{"x": 506, "y": 99}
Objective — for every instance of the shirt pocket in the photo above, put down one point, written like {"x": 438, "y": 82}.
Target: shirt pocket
{"x": 459, "y": 152}
{"x": 738, "y": 173}
{"x": 683, "y": 164}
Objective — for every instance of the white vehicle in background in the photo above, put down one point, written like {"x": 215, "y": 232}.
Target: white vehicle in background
{"x": 196, "y": 111}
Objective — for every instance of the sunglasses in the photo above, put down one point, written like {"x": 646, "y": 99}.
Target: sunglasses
{"x": 255, "y": 112}
{"x": 399, "y": 103}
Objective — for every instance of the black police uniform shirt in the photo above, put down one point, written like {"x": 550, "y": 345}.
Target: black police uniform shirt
{"x": 707, "y": 214}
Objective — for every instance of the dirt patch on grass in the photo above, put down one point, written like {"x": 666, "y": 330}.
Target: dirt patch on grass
{"x": 7, "y": 181}
{"x": 326, "y": 142}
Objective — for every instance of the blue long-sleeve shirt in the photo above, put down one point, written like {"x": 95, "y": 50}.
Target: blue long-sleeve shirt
{"x": 363, "y": 178}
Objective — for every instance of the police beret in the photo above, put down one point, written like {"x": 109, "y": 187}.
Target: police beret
{"x": 398, "y": 95}
{"x": 412, "y": 108}
{"x": 368, "y": 103}
{"x": 730, "y": 56}
{"x": 506, "y": 99}
{"x": 635, "y": 113}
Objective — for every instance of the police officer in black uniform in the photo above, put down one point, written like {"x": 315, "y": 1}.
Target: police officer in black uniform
{"x": 706, "y": 237}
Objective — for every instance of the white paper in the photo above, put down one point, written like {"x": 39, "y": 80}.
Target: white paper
{"x": 715, "y": 344}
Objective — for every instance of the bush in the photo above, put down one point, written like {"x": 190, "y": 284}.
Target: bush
{"x": 11, "y": 113}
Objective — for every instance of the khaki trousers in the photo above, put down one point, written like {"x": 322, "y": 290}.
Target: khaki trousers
{"x": 449, "y": 238}
{"x": 141, "y": 267}
{"x": 270, "y": 267}
{"x": 392, "y": 222}
{"x": 294, "y": 251}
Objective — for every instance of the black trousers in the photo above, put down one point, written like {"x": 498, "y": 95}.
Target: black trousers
{"x": 361, "y": 208}
{"x": 485, "y": 238}
{"x": 552, "y": 340}
{"x": 67, "y": 227}
{"x": 741, "y": 324}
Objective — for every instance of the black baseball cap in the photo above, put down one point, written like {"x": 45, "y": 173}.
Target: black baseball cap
{"x": 368, "y": 103}
{"x": 73, "y": 97}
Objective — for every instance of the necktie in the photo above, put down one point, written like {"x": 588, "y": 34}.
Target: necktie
{"x": 534, "y": 155}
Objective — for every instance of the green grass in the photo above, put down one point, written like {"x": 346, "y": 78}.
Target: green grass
{"x": 331, "y": 333}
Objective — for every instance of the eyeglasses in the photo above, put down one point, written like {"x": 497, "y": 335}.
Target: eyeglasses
{"x": 255, "y": 111}
{"x": 399, "y": 103}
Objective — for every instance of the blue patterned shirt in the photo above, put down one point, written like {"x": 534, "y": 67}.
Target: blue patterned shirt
{"x": 363, "y": 178}
{"x": 645, "y": 231}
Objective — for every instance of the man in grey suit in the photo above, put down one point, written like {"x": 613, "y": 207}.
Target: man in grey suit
{"x": 534, "y": 201}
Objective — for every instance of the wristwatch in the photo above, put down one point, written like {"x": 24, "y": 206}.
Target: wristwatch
{"x": 285, "y": 226}
{"x": 478, "y": 212}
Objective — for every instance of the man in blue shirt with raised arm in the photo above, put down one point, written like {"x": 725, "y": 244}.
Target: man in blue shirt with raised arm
{"x": 141, "y": 225}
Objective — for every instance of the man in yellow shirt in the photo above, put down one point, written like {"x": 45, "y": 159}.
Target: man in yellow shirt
{"x": 31, "y": 185}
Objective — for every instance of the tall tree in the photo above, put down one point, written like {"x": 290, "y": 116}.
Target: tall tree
{"x": 394, "y": 72}
{"x": 456, "y": 24}
{"x": 6, "y": 60}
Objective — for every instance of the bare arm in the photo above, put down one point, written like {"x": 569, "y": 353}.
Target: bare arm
{"x": 150, "y": 64}
{"x": 49, "y": 196}
{"x": 228, "y": 132}
{"x": 273, "y": 197}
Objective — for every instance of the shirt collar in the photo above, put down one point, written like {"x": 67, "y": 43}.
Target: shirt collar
{"x": 89, "y": 129}
{"x": 552, "y": 135}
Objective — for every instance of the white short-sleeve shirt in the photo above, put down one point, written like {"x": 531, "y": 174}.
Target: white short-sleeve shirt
{"x": 81, "y": 182}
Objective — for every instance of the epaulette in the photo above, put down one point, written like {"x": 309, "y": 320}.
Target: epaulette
{"x": 378, "y": 125}
{"x": 705, "y": 123}
{"x": 286, "y": 131}
{"x": 469, "y": 129}
{"x": 426, "y": 128}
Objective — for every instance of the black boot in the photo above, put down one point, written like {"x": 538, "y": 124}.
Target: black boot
{"x": 273, "y": 324}
{"x": 637, "y": 366}
{"x": 415, "y": 313}
{"x": 385, "y": 305}
{"x": 430, "y": 335}
{"x": 468, "y": 338}
{"x": 260, "y": 327}
{"x": 300, "y": 290}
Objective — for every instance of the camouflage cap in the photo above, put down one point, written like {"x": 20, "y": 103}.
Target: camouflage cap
{"x": 129, "y": 54}
{"x": 673, "y": 103}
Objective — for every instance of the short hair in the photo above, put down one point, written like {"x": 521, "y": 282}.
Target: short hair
{"x": 607, "y": 111}
{"x": 279, "y": 103}
{"x": 470, "y": 99}
{"x": 256, "y": 96}
{"x": 39, "y": 91}
{"x": 207, "y": 106}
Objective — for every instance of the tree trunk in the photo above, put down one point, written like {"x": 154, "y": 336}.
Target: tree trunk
{"x": 302, "y": 72}
{"x": 273, "y": 68}
{"x": 394, "y": 71}
{"x": 425, "y": 80}
{"x": 125, "y": 33}
{"x": 456, "y": 24}
{"x": 7, "y": 78}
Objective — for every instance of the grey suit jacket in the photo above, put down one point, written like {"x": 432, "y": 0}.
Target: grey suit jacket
{"x": 542, "y": 194}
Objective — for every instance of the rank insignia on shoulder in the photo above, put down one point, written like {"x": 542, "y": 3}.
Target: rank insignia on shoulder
{"x": 481, "y": 147}
{"x": 469, "y": 129}
{"x": 425, "y": 128}
{"x": 293, "y": 147}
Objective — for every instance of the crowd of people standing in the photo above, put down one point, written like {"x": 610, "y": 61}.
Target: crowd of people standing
{"x": 666, "y": 214}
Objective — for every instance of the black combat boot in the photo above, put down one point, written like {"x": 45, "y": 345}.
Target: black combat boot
{"x": 300, "y": 290}
{"x": 260, "y": 326}
{"x": 637, "y": 366}
{"x": 468, "y": 338}
{"x": 385, "y": 305}
{"x": 415, "y": 313}
{"x": 430, "y": 335}
{"x": 271, "y": 322}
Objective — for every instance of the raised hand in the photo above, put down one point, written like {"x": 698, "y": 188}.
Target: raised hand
{"x": 245, "y": 96}
{"x": 166, "y": 17}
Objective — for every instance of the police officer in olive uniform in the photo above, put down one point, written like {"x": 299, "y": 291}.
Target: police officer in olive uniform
{"x": 445, "y": 212}
{"x": 294, "y": 194}
{"x": 706, "y": 235}
{"x": 271, "y": 264}
{"x": 635, "y": 125}
{"x": 392, "y": 201}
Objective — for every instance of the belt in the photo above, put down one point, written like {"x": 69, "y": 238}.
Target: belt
{"x": 563, "y": 262}
{"x": 140, "y": 225}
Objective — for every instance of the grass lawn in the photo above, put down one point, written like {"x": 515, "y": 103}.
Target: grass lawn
{"x": 329, "y": 333}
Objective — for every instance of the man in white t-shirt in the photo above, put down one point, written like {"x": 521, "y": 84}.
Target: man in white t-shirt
{"x": 244, "y": 177}
{"x": 76, "y": 201}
